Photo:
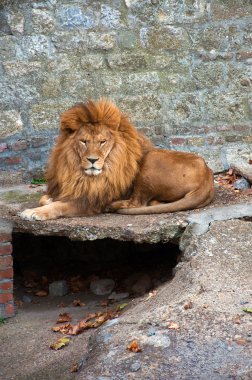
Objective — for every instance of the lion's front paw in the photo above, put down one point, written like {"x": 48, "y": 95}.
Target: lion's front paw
{"x": 121, "y": 204}
{"x": 33, "y": 214}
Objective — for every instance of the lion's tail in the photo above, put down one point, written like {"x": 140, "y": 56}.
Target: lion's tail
{"x": 189, "y": 202}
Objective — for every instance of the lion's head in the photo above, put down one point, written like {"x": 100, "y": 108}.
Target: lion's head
{"x": 97, "y": 155}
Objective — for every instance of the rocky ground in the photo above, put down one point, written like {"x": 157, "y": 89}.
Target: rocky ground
{"x": 191, "y": 327}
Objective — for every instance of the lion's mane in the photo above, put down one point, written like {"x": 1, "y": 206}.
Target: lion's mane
{"x": 67, "y": 180}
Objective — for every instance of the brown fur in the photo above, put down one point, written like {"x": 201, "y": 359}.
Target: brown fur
{"x": 100, "y": 157}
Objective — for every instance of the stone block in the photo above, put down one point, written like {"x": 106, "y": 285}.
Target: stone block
{"x": 71, "y": 17}
{"x": 34, "y": 46}
{"x": 92, "y": 62}
{"x": 16, "y": 21}
{"x": 231, "y": 9}
{"x": 125, "y": 61}
{"x": 168, "y": 38}
{"x": 58, "y": 288}
{"x": 69, "y": 41}
{"x": 43, "y": 21}
{"x": 110, "y": 17}
{"x": 8, "y": 47}
{"x": 20, "y": 67}
{"x": 45, "y": 115}
{"x": 101, "y": 41}
{"x": 10, "y": 123}
{"x": 140, "y": 82}
{"x": 207, "y": 75}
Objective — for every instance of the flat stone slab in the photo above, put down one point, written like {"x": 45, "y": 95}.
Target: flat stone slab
{"x": 137, "y": 228}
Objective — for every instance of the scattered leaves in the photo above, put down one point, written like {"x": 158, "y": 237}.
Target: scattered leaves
{"x": 173, "y": 326}
{"x": 64, "y": 317}
{"x": 41, "y": 293}
{"x": 74, "y": 368}
{"x": 247, "y": 309}
{"x": 60, "y": 343}
{"x": 78, "y": 303}
{"x": 250, "y": 161}
{"x": 134, "y": 347}
{"x": 62, "y": 304}
{"x": 93, "y": 320}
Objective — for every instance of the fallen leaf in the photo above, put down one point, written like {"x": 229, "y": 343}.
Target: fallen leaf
{"x": 240, "y": 342}
{"x": 173, "y": 326}
{"x": 104, "y": 303}
{"x": 78, "y": 303}
{"x": 60, "y": 343}
{"x": 122, "y": 306}
{"x": 74, "y": 368}
{"x": 19, "y": 303}
{"x": 247, "y": 309}
{"x": 237, "y": 320}
{"x": 41, "y": 293}
{"x": 134, "y": 347}
{"x": 64, "y": 317}
{"x": 250, "y": 162}
{"x": 64, "y": 328}
{"x": 62, "y": 304}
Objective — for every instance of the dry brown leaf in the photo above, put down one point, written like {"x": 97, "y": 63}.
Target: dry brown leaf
{"x": 240, "y": 341}
{"x": 78, "y": 303}
{"x": 104, "y": 303}
{"x": 41, "y": 293}
{"x": 237, "y": 320}
{"x": 74, "y": 368}
{"x": 64, "y": 317}
{"x": 173, "y": 326}
{"x": 134, "y": 347}
{"x": 64, "y": 328}
{"x": 250, "y": 162}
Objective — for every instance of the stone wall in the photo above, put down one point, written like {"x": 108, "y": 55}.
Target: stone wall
{"x": 182, "y": 69}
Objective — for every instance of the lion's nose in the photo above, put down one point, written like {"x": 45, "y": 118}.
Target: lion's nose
{"x": 92, "y": 160}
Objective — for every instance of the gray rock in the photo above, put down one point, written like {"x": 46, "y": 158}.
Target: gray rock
{"x": 118, "y": 296}
{"x": 102, "y": 287}
{"x": 135, "y": 366}
{"x": 27, "y": 299}
{"x": 241, "y": 184}
{"x": 58, "y": 288}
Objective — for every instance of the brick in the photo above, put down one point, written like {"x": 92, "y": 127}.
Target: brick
{"x": 6, "y": 273}
{"x": 11, "y": 160}
{"x": 9, "y": 310}
{"x": 5, "y": 237}
{"x": 243, "y": 55}
{"x": 6, "y": 262}
{"x": 6, "y": 297}
{"x": 5, "y": 248}
{"x": 178, "y": 141}
{"x": 6, "y": 286}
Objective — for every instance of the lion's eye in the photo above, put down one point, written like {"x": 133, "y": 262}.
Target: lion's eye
{"x": 103, "y": 142}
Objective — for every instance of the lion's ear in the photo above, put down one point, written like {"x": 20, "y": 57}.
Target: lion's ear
{"x": 69, "y": 121}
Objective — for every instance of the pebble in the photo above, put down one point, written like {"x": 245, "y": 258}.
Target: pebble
{"x": 102, "y": 287}
{"x": 58, "y": 288}
{"x": 27, "y": 299}
{"x": 241, "y": 184}
{"x": 135, "y": 366}
{"x": 118, "y": 296}
{"x": 151, "y": 331}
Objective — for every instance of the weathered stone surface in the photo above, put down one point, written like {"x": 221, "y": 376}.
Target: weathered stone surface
{"x": 10, "y": 123}
{"x": 46, "y": 115}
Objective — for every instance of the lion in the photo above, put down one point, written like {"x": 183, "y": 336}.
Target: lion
{"x": 101, "y": 162}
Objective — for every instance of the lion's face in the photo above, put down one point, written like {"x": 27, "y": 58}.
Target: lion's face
{"x": 94, "y": 144}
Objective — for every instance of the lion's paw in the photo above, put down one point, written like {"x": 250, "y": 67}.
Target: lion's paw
{"x": 32, "y": 214}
